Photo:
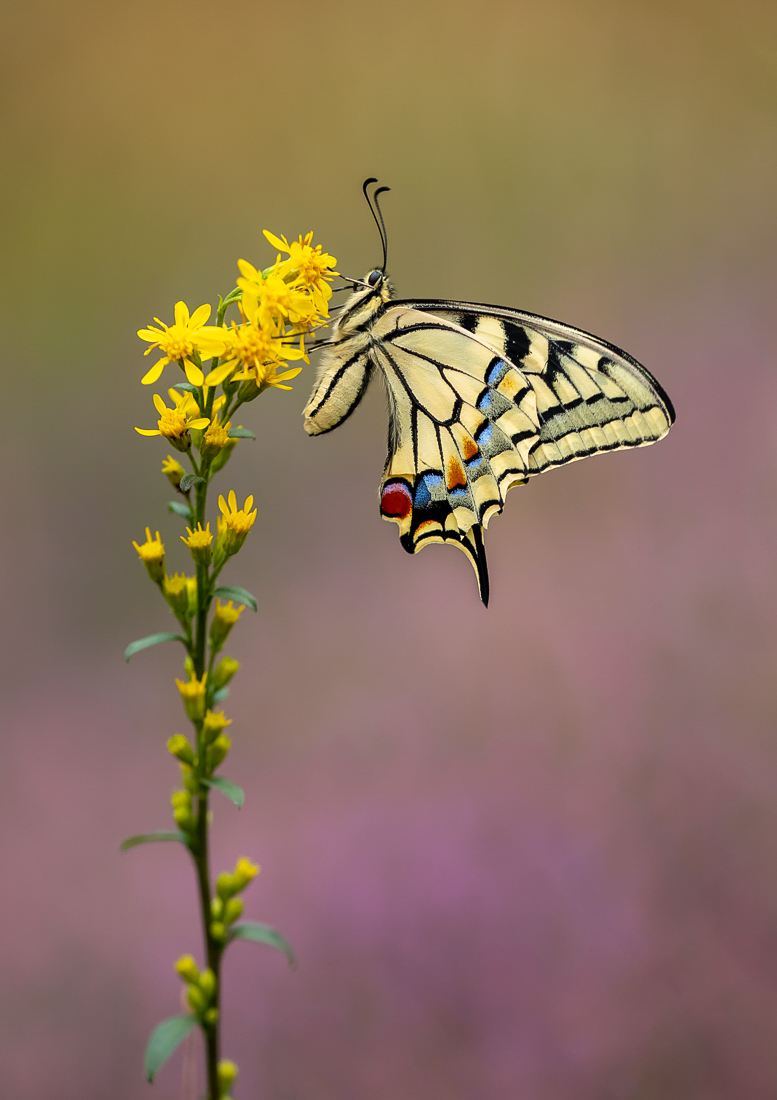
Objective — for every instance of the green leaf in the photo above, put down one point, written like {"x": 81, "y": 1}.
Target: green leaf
{"x": 149, "y": 838}
{"x": 261, "y": 933}
{"x": 151, "y": 639}
{"x": 240, "y": 433}
{"x": 180, "y": 509}
{"x": 239, "y": 595}
{"x": 220, "y": 695}
{"x": 190, "y": 479}
{"x": 187, "y": 386}
{"x": 164, "y": 1039}
{"x": 229, "y": 789}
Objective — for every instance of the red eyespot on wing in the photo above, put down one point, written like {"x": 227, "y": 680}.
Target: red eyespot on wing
{"x": 396, "y": 501}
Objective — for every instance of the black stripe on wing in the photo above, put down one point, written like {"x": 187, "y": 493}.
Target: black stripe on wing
{"x": 518, "y": 340}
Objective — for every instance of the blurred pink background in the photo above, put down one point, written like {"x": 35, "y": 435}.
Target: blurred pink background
{"x": 529, "y": 852}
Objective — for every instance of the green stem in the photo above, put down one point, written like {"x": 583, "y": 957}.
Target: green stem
{"x": 201, "y": 856}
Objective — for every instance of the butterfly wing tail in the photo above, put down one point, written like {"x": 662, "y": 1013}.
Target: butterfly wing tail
{"x": 473, "y": 546}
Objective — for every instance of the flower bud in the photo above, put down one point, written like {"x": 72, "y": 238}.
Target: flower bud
{"x": 211, "y": 1017}
{"x": 218, "y": 751}
{"x": 224, "y": 671}
{"x": 181, "y": 798}
{"x": 218, "y": 931}
{"x": 213, "y": 725}
{"x": 214, "y": 440}
{"x": 193, "y": 695}
{"x": 173, "y": 471}
{"x": 196, "y": 999}
{"x": 180, "y": 748}
{"x": 184, "y": 819}
{"x": 208, "y": 983}
{"x": 224, "y": 618}
{"x": 224, "y": 455}
{"x": 225, "y": 886}
{"x": 152, "y": 554}
{"x": 216, "y": 908}
{"x": 244, "y": 871}
{"x": 189, "y": 780}
{"x": 232, "y": 910}
{"x": 176, "y": 592}
{"x": 249, "y": 391}
{"x": 187, "y": 969}
{"x": 227, "y": 1072}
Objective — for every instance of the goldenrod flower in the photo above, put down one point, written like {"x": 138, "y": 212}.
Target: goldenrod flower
{"x": 193, "y": 695}
{"x": 214, "y": 724}
{"x": 174, "y": 424}
{"x": 152, "y": 554}
{"x": 173, "y": 471}
{"x": 276, "y": 297}
{"x": 233, "y": 527}
{"x": 309, "y": 263}
{"x": 224, "y": 618}
{"x": 199, "y": 542}
{"x": 177, "y": 342}
{"x": 254, "y": 350}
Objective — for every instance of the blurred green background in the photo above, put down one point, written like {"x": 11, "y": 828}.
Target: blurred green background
{"x": 524, "y": 852}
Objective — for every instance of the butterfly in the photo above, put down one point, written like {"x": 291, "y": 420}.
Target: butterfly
{"x": 480, "y": 398}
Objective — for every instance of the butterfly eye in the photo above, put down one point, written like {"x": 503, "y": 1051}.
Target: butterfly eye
{"x": 373, "y": 278}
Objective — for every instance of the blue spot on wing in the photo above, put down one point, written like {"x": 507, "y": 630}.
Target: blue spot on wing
{"x": 484, "y": 404}
{"x": 425, "y": 488}
{"x": 496, "y": 372}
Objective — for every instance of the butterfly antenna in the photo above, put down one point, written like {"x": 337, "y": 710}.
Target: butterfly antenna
{"x": 377, "y": 215}
{"x": 375, "y": 193}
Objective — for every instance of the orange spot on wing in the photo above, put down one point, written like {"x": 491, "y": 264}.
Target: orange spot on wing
{"x": 456, "y": 475}
{"x": 470, "y": 449}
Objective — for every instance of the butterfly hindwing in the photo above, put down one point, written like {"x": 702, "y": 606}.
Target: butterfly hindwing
{"x": 463, "y": 425}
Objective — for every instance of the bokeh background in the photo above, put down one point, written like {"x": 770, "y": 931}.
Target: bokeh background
{"x": 529, "y": 852}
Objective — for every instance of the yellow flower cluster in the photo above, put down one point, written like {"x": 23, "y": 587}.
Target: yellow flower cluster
{"x": 278, "y": 305}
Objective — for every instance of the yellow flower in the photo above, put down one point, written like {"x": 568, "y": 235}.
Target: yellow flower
{"x": 176, "y": 592}
{"x": 174, "y": 424}
{"x": 215, "y": 723}
{"x": 177, "y": 342}
{"x": 276, "y": 296}
{"x": 224, "y": 618}
{"x": 256, "y": 348}
{"x": 310, "y": 264}
{"x": 233, "y": 527}
{"x": 173, "y": 471}
{"x": 193, "y": 695}
{"x": 199, "y": 542}
{"x": 152, "y": 554}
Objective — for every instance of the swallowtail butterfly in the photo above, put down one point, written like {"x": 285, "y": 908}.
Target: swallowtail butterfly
{"x": 481, "y": 398}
